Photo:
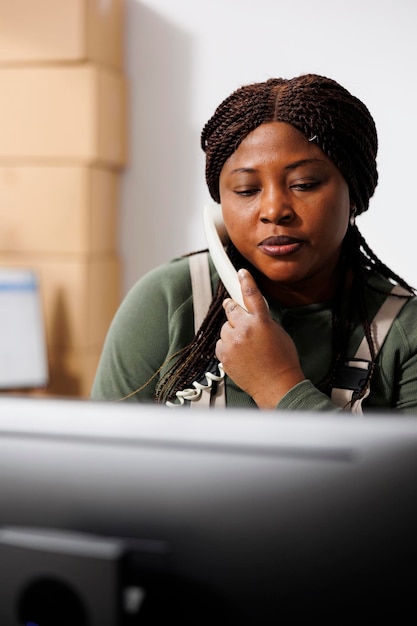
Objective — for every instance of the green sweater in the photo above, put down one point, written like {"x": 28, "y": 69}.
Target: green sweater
{"x": 155, "y": 320}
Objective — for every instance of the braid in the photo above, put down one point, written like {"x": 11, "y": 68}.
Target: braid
{"x": 360, "y": 263}
{"x": 366, "y": 259}
{"x": 373, "y": 262}
{"x": 361, "y": 259}
{"x": 242, "y": 112}
{"x": 197, "y": 356}
{"x": 341, "y": 323}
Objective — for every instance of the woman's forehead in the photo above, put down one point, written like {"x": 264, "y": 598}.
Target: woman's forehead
{"x": 274, "y": 140}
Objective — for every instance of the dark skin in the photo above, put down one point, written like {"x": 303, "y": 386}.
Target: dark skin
{"x": 256, "y": 351}
{"x": 286, "y": 208}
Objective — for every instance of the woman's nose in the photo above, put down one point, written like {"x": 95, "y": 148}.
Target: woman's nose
{"x": 275, "y": 208}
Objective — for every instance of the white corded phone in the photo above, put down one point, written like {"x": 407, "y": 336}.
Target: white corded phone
{"x": 216, "y": 235}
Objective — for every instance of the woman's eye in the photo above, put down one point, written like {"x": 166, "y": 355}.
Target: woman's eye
{"x": 304, "y": 186}
{"x": 246, "y": 192}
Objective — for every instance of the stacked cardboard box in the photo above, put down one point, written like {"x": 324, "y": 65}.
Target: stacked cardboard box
{"x": 62, "y": 149}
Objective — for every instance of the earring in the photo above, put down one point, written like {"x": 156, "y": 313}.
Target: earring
{"x": 352, "y": 216}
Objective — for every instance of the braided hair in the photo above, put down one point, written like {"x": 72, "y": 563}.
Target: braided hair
{"x": 341, "y": 125}
{"x": 320, "y": 108}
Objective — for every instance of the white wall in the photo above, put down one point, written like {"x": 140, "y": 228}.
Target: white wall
{"x": 184, "y": 56}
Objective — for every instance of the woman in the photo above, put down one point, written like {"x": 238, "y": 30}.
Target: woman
{"x": 293, "y": 163}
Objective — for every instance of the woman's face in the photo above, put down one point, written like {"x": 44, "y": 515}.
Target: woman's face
{"x": 286, "y": 208}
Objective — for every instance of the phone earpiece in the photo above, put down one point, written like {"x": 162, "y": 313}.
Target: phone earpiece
{"x": 217, "y": 237}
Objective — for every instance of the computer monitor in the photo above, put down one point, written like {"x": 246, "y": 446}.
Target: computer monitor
{"x": 114, "y": 513}
{"x": 23, "y": 353}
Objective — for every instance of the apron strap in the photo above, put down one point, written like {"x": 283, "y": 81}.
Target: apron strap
{"x": 380, "y": 326}
{"x": 201, "y": 287}
{"x": 214, "y": 393}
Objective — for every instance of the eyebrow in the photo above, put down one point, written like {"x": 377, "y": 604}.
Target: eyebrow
{"x": 291, "y": 166}
{"x": 244, "y": 170}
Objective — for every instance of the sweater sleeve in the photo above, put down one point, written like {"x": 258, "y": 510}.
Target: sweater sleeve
{"x": 306, "y": 397}
{"x": 398, "y": 362}
{"x": 144, "y": 333}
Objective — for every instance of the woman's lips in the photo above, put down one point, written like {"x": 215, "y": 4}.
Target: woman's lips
{"x": 280, "y": 245}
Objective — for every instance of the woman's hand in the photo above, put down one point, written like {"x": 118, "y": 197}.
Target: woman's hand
{"x": 255, "y": 351}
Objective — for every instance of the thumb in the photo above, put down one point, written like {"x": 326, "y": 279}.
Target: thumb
{"x": 252, "y": 297}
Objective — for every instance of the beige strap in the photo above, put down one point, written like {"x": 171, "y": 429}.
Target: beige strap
{"x": 383, "y": 320}
{"x": 380, "y": 326}
{"x": 204, "y": 400}
{"x": 202, "y": 297}
{"x": 201, "y": 287}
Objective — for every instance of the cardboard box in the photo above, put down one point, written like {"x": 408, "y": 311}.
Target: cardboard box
{"x": 72, "y": 372}
{"x": 58, "y": 209}
{"x": 66, "y": 113}
{"x": 39, "y": 31}
{"x": 80, "y": 295}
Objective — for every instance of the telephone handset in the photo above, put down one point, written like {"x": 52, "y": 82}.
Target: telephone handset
{"x": 216, "y": 235}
